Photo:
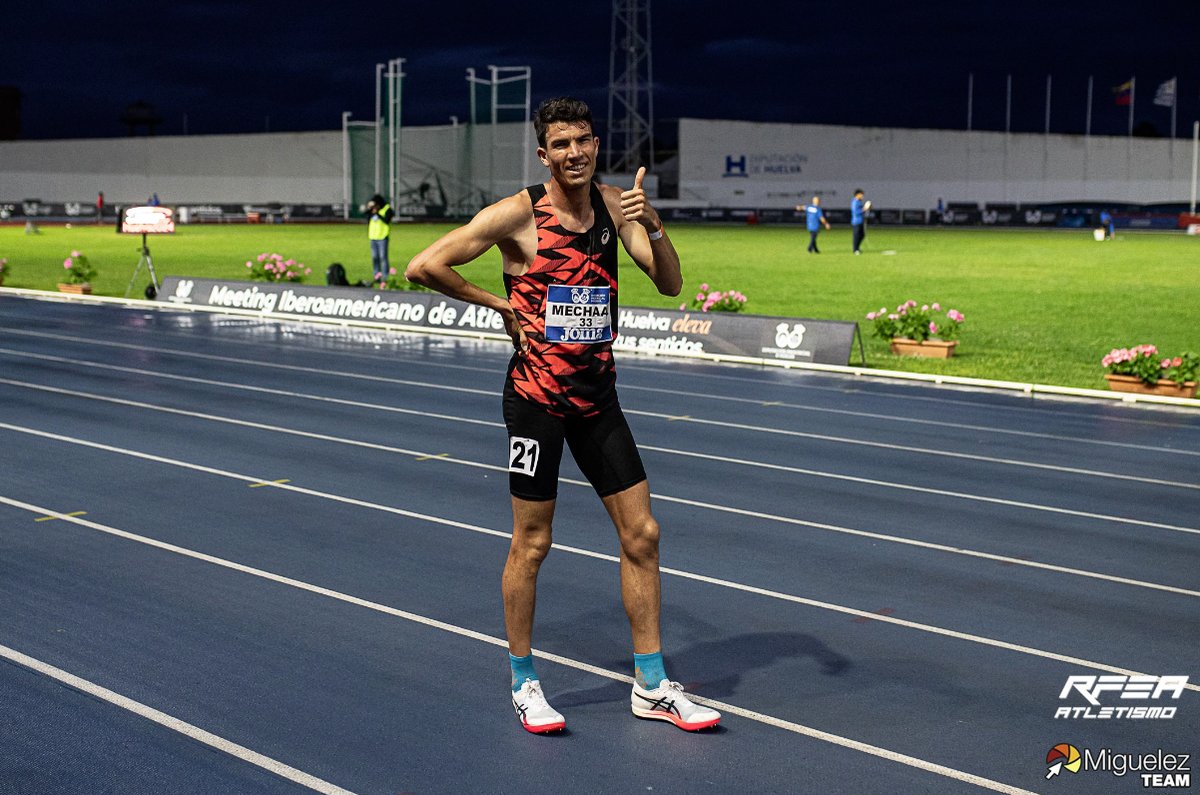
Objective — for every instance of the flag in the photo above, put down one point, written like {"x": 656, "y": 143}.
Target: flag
{"x": 1165, "y": 95}
{"x": 1124, "y": 93}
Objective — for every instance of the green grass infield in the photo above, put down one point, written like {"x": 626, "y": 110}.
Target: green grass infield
{"x": 1041, "y": 306}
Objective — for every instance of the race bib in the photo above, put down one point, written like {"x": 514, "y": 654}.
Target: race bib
{"x": 578, "y": 314}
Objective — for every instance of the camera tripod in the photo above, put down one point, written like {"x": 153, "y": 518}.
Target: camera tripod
{"x": 144, "y": 261}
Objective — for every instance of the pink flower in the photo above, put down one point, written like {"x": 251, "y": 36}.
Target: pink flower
{"x": 1177, "y": 361}
{"x": 870, "y": 316}
{"x": 67, "y": 263}
{"x": 955, "y": 315}
{"x": 701, "y": 296}
{"x": 1165, "y": 363}
{"x": 74, "y": 253}
{"x": 932, "y": 328}
{"x": 936, "y": 307}
{"x": 893, "y": 316}
{"x": 682, "y": 307}
{"x": 925, "y": 308}
{"x": 703, "y": 287}
{"x": 262, "y": 257}
{"x": 307, "y": 271}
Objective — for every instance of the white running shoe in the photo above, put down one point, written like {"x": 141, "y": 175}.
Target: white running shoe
{"x": 536, "y": 714}
{"x": 668, "y": 702}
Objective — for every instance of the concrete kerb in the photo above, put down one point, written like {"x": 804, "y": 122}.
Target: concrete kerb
{"x": 860, "y": 372}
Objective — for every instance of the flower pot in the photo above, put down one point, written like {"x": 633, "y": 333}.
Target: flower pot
{"x": 932, "y": 349}
{"x": 1131, "y": 383}
{"x": 80, "y": 289}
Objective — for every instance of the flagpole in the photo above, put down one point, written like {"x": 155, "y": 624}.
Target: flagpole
{"x": 970, "y": 97}
{"x": 1008, "y": 104}
{"x": 1195, "y": 150}
{"x": 1087, "y": 130}
{"x": 1132, "y": 94}
{"x": 1048, "y": 104}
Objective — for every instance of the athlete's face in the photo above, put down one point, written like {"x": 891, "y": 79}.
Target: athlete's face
{"x": 570, "y": 152}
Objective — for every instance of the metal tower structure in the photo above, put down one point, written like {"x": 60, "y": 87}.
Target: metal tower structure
{"x": 630, "y": 89}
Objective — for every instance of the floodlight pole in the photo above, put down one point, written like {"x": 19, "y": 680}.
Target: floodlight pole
{"x": 378, "y": 124}
{"x": 630, "y": 78}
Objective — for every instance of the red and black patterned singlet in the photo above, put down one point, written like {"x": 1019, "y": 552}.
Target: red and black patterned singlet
{"x": 565, "y": 378}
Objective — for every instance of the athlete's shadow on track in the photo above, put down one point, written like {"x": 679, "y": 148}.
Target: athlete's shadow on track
{"x": 720, "y": 663}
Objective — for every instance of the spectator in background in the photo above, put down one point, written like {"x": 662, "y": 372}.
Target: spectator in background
{"x": 858, "y": 219}
{"x": 100, "y": 207}
{"x": 153, "y": 200}
{"x": 379, "y": 229}
{"x": 1106, "y": 221}
{"x": 814, "y": 217}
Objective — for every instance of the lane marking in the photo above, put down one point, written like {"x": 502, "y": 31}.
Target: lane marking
{"x": 52, "y": 518}
{"x": 653, "y": 415}
{"x": 923, "y": 489}
{"x": 313, "y": 783}
{"x": 432, "y": 456}
{"x": 268, "y": 483}
{"x": 920, "y": 450}
{"x": 600, "y": 556}
{"x": 1003, "y": 559}
{"x": 672, "y": 451}
{"x": 174, "y": 724}
{"x": 962, "y": 426}
{"x": 640, "y": 366}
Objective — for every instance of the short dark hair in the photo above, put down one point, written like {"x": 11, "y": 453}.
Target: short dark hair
{"x": 857, "y": 191}
{"x": 566, "y": 109}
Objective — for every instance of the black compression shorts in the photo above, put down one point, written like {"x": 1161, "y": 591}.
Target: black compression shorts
{"x": 602, "y": 445}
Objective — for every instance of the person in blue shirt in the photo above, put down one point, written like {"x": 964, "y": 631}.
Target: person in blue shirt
{"x": 814, "y": 216}
{"x": 858, "y": 218}
{"x": 1106, "y": 221}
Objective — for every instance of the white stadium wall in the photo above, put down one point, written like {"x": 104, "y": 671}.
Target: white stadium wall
{"x": 721, "y": 164}
{"x": 301, "y": 168}
{"x": 266, "y": 167}
{"x": 749, "y": 164}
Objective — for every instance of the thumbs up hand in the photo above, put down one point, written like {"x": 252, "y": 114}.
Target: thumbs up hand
{"x": 634, "y": 205}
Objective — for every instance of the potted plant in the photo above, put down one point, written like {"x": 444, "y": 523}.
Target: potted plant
{"x": 274, "y": 268}
{"x": 707, "y": 300}
{"x": 1142, "y": 369}
{"x": 919, "y": 330}
{"x": 79, "y": 275}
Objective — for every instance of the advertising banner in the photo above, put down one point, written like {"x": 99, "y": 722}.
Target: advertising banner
{"x": 665, "y": 331}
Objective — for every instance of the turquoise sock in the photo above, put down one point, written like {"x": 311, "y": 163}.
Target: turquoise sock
{"x": 648, "y": 670}
{"x": 522, "y": 669}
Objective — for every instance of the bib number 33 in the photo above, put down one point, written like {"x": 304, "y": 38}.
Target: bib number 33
{"x": 522, "y": 455}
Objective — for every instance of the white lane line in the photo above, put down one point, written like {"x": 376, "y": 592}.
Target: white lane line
{"x": 654, "y": 415}
{"x": 584, "y": 484}
{"x": 961, "y": 426}
{"x": 424, "y": 384}
{"x": 924, "y": 490}
{"x": 918, "y": 450}
{"x": 883, "y": 393}
{"x": 322, "y": 786}
{"x": 464, "y": 462}
{"x": 1029, "y": 650}
{"x": 174, "y": 724}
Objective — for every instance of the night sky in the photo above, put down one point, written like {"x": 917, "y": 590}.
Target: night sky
{"x": 237, "y": 67}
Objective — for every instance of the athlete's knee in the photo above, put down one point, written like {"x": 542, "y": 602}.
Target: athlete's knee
{"x": 639, "y": 540}
{"x": 530, "y": 545}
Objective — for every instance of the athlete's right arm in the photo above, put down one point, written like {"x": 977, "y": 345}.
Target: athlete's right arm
{"x": 496, "y": 224}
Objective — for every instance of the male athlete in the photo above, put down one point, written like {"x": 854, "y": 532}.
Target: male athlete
{"x": 558, "y": 242}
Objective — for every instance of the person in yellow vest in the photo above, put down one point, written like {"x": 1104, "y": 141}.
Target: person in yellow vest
{"x": 379, "y": 228}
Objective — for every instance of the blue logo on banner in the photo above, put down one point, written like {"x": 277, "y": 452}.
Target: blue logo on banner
{"x": 735, "y": 166}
